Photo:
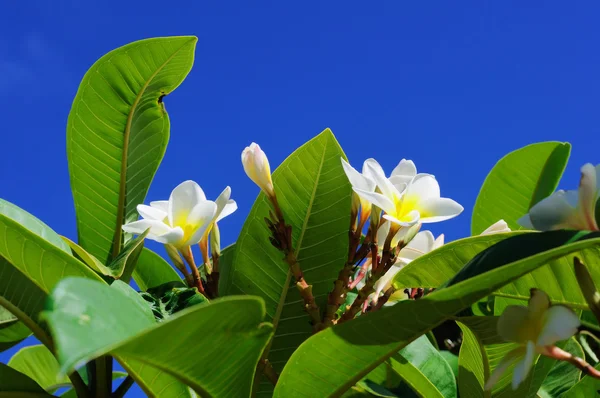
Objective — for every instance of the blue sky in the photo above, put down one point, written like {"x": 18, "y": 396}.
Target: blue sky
{"x": 453, "y": 86}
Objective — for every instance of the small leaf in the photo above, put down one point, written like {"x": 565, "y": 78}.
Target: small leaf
{"x": 517, "y": 182}
{"x": 87, "y": 258}
{"x": 123, "y": 266}
{"x": 13, "y": 335}
{"x": 172, "y": 297}
{"x": 38, "y": 363}
{"x": 152, "y": 270}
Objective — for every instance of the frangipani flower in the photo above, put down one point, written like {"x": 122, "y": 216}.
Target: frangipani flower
{"x": 361, "y": 181}
{"x": 568, "y": 209}
{"x": 407, "y": 201}
{"x": 256, "y": 166}
{"x": 536, "y": 328}
{"x": 421, "y": 244}
{"x": 498, "y": 227}
{"x": 182, "y": 220}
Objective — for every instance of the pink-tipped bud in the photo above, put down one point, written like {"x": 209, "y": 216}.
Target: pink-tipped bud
{"x": 256, "y": 166}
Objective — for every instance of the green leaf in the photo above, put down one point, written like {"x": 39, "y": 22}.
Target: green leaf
{"x": 170, "y": 298}
{"x": 152, "y": 270}
{"x": 33, "y": 258}
{"x": 124, "y": 265}
{"x": 32, "y": 224}
{"x": 38, "y": 363}
{"x": 563, "y": 375}
{"x": 13, "y": 335}
{"x": 517, "y": 182}
{"x": 117, "y": 134}
{"x": 16, "y": 384}
{"x": 349, "y": 355}
{"x": 452, "y": 361}
{"x": 443, "y": 263}
{"x": 315, "y": 195}
{"x": 87, "y": 258}
{"x": 6, "y": 318}
{"x": 155, "y": 382}
{"x": 473, "y": 364}
{"x": 228, "y": 339}
{"x": 585, "y": 388}
{"x": 424, "y": 369}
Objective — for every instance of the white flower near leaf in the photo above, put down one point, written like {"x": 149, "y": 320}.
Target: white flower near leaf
{"x": 408, "y": 200}
{"x": 536, "y": 328}
{"x": 498, "y": 227}
{"x": 361, "y": 181}
{"x": 568, "y": 209}
{"x": 183, "y": 219}
{"x": 421, "y": 244}
{"x": 256, "y": 166}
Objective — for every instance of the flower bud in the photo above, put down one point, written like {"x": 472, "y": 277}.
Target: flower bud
{"x": 256, "y": 166}
{"x": 215, "y": 241}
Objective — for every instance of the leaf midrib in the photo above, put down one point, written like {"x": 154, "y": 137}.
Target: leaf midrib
{"x": 284, "y": 293}
{"x": 124, "y": 155}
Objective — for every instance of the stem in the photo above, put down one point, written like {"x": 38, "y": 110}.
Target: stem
{"x": 384, "y": 299}
{"x": 123, "y": 387}
{"x": 377, "y": 271}
{"x": 189, "y": 258}
{"x": 579, "y": 363}
{"x": 361, "y": 274}
{"x": 81, "y": 389}
{"x": 103, "y": 378}
{"x": 215, "y": 275}
{"x": 270, "y": 372}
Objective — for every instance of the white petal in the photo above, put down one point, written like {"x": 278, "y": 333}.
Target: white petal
{"x": 382, "y": 232}
{"x": 424, "y": 187}
{"x": 588, "y": 193}
{"x": 229, "y": 208}
{"x": 371, "y": 166}
{"x": 504, "y": 364}
{"x": 405, "y": 168}
{"x": 440, "y": 209}
{"x": 552, "y": 212}
{"x": 560, "y": 323}
{"x": 523, "y": 367}
{"x": 200, "y": 218}
{"x": 157, "y": 228}
{"x": 511, "y": 323}
{"x": 496, "y": 228}
{"x": 422, "y": 242}
{"x": 356, "y": 179}
{"x": 161, "y": 205}
{"x": 525, "y": 222}
{"x": 173, "y": 237}
{"x": 377, "y": 199}
{"x": 386, "y": 281}
{"x": 151, "y": 213}
{"x": 410, "y": 219}
{"x": 183, "y": 199}
{"x": 225, "y": 206}
{"x": 399, "y": 181}
{"x": 384, "y": 185}
{"x": 439, "y": 242}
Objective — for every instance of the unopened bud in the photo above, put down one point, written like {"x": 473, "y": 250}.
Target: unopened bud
{"x": 256, "y": 166}
{"x": 587, "y": 286}
{"x": 174, "y": 256}
{"x": 215, "y": 241}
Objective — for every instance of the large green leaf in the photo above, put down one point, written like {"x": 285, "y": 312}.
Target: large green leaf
{"x": 33, "y": 258}
{"x": 424, "y": 369}
{"x": 314, "y": 194}
{"x": 15, "y": 384}
{"x": 438, "y": 266}
{"x": 518, "y": 181}
{"x": 152, "y": 270}
{"x": 473, "y": 365}
{"x": 117, "y": 134}
{"x": 39, "y": 363}
{"x": 562, "y": 375}
{"x": 217, "y": 355}
{"x": 585, "y": 388}
{"x": 334, "y": 359}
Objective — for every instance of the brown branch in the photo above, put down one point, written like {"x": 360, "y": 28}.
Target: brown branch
{"x": 384, "y": 299}
{"x": 579, "y": 363}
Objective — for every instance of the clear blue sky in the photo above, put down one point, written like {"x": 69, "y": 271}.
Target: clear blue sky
{"x": 453, "y": 86}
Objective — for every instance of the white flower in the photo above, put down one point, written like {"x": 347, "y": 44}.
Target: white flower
{"x": 408, "y": 200}
{"x": 498, "y": 227}
{"x": 421, "y": 244}
{"x": 361, "y": 181}
{"x": 536, "y": 328}
{"x": 256, "y": 166}
{"x": 183, "y": 219}
{"x": 568, "y": 209}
